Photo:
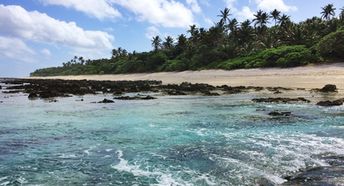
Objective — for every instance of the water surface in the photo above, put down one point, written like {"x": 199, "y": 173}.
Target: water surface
{"x": 182, "y": 140}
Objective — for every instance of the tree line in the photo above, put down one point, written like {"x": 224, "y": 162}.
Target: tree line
{"x": 271, "y": 39}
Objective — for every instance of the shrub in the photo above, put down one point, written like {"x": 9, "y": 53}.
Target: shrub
{"x": 332, "y": 45}
{"x": 285, "y": 56}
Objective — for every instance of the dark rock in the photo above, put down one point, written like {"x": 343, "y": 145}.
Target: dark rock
{"x": 11, "y": 92}
{"x": 280, "y": 100}
{"x": 208, "y": 93}
{"x": 275, "y": 89}
{"x": 280, "y": 114}
{"x": 0, "y": 87}
{"x": 278, "y": 92}
{"x": 33, "y": 96}
{"x": 106, "y": 101}
{"x": 329, "y": 88}
{"x": 264, "y": 182}
{"x": 135, "y": 98}
{"x": 175, "y": 93}
{"x": 338, "y": 102}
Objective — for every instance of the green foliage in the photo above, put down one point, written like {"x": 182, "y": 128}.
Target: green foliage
{"x": 332, "y": 45}
{"x": 285, "y": 56}
{"x": 226, "y": 45}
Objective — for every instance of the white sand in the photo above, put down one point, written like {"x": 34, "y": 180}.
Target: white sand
{"x": 300, "y": 77}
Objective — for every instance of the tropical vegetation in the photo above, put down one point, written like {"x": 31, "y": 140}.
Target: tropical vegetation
{"x": 269, "y": 40}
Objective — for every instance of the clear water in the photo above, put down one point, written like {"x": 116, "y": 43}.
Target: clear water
{"x": 186, "y": 140}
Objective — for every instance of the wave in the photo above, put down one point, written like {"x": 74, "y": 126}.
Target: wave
{"x": 164, "y": 178}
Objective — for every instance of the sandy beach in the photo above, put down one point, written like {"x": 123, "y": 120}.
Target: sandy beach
{"x": 315, "y": 76}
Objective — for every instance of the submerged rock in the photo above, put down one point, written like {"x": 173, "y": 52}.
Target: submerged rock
{"x": 279, "y": 114}
{"x": 208, "y": 93}
{"x": 280, "y": 100}
{"x": 106, "y": 101}
{"x": 338, "y": 102}
{"x": 326, "y": 175}
{"x": 135, "y": 98}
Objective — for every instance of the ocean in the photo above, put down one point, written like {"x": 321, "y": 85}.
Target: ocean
{"x": 173, "y": 140}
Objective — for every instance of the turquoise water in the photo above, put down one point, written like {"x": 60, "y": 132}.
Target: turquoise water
{"x": 185, "y": 140}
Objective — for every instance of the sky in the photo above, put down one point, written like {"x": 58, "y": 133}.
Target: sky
{"x": 45, "y": 33}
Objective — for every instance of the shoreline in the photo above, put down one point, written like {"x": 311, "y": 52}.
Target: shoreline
{"x": 309, "y": 77}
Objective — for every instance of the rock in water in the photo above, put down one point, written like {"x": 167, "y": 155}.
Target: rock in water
{"x": 280, "y": 100}
{"x": 338, "y": 102}
{"x": 329, "y": 88}
{"x": 278, "y": 113}
{"x": 33, "y": 96}
{"x": 106, "y": 101}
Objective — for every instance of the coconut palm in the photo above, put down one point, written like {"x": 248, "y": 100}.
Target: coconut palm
{"x": 275, "y": 15}
{"x": 341, "y": 16}
{"x": 261, "y": 19}
{"x": 168, "y": 44}
{"x": 233, "y": 25}
{"x": 328, "y": 11}
{"x": 224, "y": 14}
{"x": 156, "y": 43}
{"x": 284, "y": 20}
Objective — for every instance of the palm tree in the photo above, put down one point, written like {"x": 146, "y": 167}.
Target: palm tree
{"x": 192, "y": 29}
{"x": 275, "y": 15}
{"x": 224, "y": 14}
{"x": 233, "y": 25}
{"x": 168, "y": 44}
{"x": 283, "y": 20}
{"x": 328, "y": 11}
{"x": 261, "y": 19}
{"x": 245, "y": 35}
{"x": 156, "y": 43}
{"x": 341, "y": 16}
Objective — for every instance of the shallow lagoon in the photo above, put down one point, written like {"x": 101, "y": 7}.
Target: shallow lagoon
{"x": 182, "y": 140}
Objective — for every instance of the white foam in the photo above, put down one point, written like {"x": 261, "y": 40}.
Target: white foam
{"x": 163, "y": 178}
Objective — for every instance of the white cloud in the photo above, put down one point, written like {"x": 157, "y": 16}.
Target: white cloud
{"x": 15, "y": 49}
{"x": 269, "y": 5}
{"x": 100, "y": 9}
{"x": 151, "y": 32}
{"x": 230, "y": 4}
{"x": 167, "y": 13}
{"x": 194, "y": 6}
{"x": 46, "y": 52}
{"x": 35, "y": 26}
{"x": 245, "y": 13}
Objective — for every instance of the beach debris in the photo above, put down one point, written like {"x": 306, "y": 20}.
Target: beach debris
{"x": 106, "y": 101}
{"x": 337, "y": 102}
{"x": 281, "y": 100}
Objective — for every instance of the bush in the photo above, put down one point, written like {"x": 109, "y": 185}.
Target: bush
{"x": 174, "y": 65}
{"x": 332, "y": 45}
{"x": 285, "y": 56}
